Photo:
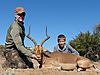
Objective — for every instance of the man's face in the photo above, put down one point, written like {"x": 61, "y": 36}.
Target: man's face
{"x": 61, "y": 42}
{"x": 19, "y": 17}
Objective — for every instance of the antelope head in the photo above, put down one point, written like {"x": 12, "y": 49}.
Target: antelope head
{"x": 38, "y": 48}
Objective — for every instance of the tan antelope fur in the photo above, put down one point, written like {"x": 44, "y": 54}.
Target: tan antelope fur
{"x": 61, "y": 61}
{"x": 68, "y": 61}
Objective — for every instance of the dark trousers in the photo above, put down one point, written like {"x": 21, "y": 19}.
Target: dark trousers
{"x": 16, "y": 59}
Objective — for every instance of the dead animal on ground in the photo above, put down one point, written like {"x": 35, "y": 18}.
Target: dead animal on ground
{"x": 61, "y": 61}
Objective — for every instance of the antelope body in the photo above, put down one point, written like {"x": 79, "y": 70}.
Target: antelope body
{"x": 67, "y": 61}
{"x": 62, "y": 61}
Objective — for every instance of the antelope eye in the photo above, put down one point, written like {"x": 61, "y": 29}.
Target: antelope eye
{"x": 34, "y": 50}
{"x": 42, "y": 50}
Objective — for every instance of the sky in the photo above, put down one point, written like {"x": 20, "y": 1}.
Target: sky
{"x": 68, "y": 17}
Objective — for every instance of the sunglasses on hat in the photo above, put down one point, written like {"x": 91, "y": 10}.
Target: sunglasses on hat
{"x": 22, "y": 14}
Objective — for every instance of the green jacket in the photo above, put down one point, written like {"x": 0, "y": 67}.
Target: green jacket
{"x": 15, "y": 38}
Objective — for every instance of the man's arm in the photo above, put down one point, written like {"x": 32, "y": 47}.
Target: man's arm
{"x": 18, "y": 42}
{"x": 72, "y": 50}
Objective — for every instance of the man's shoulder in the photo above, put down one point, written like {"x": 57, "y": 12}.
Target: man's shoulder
{"x": 14, "y": 25}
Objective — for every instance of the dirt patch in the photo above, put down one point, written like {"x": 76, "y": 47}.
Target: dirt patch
{"x": 44, "y": 72}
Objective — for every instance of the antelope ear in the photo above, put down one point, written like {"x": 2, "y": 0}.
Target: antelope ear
{"x": 45, "y": 50}
{"x": 33, "y": 47}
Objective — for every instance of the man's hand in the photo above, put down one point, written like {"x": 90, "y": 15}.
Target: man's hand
{"x": 34, "y": 56}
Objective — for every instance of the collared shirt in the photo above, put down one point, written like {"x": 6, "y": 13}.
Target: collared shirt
{"x": 15, "y": 38}
{"x": 66, "y": 49}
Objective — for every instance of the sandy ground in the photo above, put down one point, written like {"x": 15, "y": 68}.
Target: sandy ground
{"x": 42, "y": 71}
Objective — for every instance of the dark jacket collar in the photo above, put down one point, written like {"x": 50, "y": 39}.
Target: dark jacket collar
{"x": 64, "y": 48}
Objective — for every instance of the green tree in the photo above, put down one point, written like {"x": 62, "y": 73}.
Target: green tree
{"x": 97, "y": 27}
{"x": 97, "y": 31}
{"x": 81, "y": 43}
{"x": 1, "y": 50}
{"x": 1, "y": 46}
{"x": 86, "y": 44}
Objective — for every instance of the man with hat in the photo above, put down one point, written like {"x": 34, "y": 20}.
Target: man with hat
{"x": 17, "y": 56}
{"x": 63, "y": 47}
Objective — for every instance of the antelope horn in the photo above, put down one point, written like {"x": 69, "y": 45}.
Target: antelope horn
{"x": 46, "y": 38}
{"x": 31, "y": 38}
